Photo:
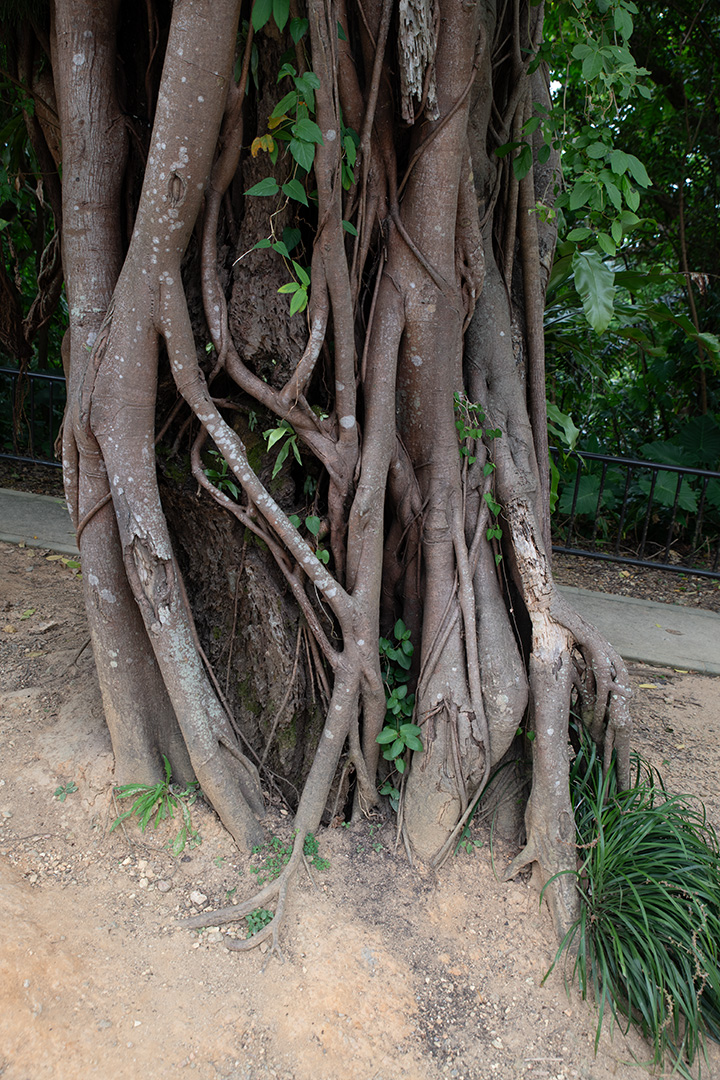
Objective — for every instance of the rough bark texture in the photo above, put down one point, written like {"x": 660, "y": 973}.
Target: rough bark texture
{"x": 412, "y": 397}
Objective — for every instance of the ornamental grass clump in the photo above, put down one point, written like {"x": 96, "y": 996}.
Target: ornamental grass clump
{"x": 647, "y": 942}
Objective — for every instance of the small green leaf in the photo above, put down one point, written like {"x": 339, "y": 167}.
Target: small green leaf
{"x": 268, "y": 186}
{"x": 280, "y": 248}
{"x": 303, "y": 152}
{"x": 284, "y": 105}
{"x": 261, "y": 12}
{"x": 308, "y": 131}
{"x": 294, "y": 190}
{"x": 349, "y": 227}
{"x": 387, "y": 735}
{"x": 299, "y": 301}
{"x": 312, "y": 525}
{"x": 341, "y": 33}
{"x": 264, "y": 243}
{"x": 281, "y": 11}
{"x": 289, "y": 287}
{"x": 298, "y": 29}
{"x": 301, "y": 273}
{"x": 522, "y": 163}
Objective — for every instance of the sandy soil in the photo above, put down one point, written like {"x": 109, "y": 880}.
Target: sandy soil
{"x": 389, "y": 973}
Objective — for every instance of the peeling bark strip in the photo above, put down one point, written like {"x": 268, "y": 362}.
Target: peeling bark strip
{"x": 417, "y": 44}
{"x": 435, "y": 288}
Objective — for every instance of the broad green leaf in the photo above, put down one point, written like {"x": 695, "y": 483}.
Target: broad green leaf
{"x": 350, "y": 150}
{"x": 301, "y": 273}
{"x": 597, "y": 150}
{"x": 291, "y": 238}
{"x": 522, "y": 163}
{"x": 313, "y": 524}
{"x": 592, "y": 65}
{"x": 387, "y": 735}
{"x": 268, "y": 186}
{"x": 665, "y": 491}
{"x": 563, "y": 424}
{"x": 261, "y": 12}
{"x": 619, "y": 162}
{"x": 307, "y": 130}
{"x": 580, "y": 194}
{"x": 700, "y": 437}
{"x": 298, "y": 28}
{"x": 606, "y": 243}
{"x": 638, "y": 171}
{"x": 294, "y": 190}
{"x": 299, "y": 301}
{"x": 594, "y": 284}
{"x": 284, "y": 105}
{"x": 303, "y": 152}
{"x": 275, "y": 434}
{"x": 579, "y": 234}
{"x": 623, "y": 22}
{"x": 281, "y": 11}
{"x": 280, "y": 248}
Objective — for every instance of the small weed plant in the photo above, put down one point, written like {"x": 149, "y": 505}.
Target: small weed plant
{"x": 399, "y": 734}
{"x": 275, "y": 855}
{"x": 647, "y": 942}
{"x": 159, "y": 802}
{"x": 62, "y": 792}
{"x": 256, "y": 920}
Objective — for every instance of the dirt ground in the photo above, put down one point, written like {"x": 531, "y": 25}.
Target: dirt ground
{"x": 389, "y": 973}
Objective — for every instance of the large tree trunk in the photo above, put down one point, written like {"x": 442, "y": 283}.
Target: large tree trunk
{"x": 414, "y": 391}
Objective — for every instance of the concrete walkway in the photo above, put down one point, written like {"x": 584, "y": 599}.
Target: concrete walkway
{"x": 641, "y": 630}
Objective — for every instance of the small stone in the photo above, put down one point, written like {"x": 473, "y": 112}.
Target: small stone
{"x": 143, "y": 883}
{"x": 198, "y": 898}
{"x": 163, "y": 886}
{"x": 103, "y": 1024}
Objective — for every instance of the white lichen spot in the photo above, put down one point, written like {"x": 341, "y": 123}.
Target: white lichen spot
{"x": 331, "y": 135}
{"x": 329, "y": 734}
{"x": 79, "y": 59}
{"x": 116, "y": 481}
{"x": 94, "y": 580}
{"x": 416, "y": 360}
{"x": 347, "y": 422}
{"x": 109, "y": 598}
{"x": 330, "y": 593}
{"x": 502, "y": 333}
{"x": 340, "y": 387}
{"x": 551, "y": 731}
{"x": 113, "y": 663}
{"x": 200, "y": 97}
{"x": 361, "y": 642}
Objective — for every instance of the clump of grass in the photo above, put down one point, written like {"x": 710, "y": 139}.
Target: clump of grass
{"x": 647, "y": 942}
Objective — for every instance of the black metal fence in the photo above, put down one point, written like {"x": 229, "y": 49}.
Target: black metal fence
{"x": 38, "y": 401}
{"x": 622, "y": 510}
{"x": 643, "y": 513}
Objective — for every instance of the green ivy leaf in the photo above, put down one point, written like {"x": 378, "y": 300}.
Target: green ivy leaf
{"x": 298, "y": 29}
{"x": 281, "y": 11}
{"x": 268, "y": 186}
{"x": 303, "y": 152}
{"x": 294, "y": 190}
{"x": 308, "y": 131}
{"x": 261, "y": 12}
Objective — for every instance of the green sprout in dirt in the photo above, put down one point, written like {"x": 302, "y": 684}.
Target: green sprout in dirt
{"x": 256, "y": 920}
{"x": 61, "y": 793}
{"x": 160, "y": 801}
{"x": 275, "y": 855}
